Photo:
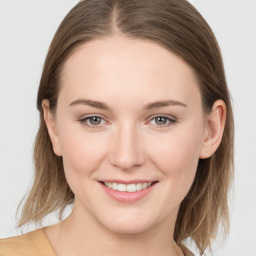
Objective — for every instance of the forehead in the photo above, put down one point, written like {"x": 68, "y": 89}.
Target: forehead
{"x": 119, "y": 67}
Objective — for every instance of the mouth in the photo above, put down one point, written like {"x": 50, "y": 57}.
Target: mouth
{"x": 129, "y": 187}
{"x": 128, "y": 191}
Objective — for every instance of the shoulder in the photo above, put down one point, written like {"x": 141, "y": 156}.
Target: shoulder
{"x": 29, "y": 244}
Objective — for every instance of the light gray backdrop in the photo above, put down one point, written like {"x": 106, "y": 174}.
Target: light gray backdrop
{"x": 26, "y": 29}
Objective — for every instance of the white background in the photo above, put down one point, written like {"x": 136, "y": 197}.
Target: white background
{"x": 26, "y": 30}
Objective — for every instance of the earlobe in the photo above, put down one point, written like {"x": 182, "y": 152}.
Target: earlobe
{"x": 51, "y": 127}
{"x": 215, "y": 124}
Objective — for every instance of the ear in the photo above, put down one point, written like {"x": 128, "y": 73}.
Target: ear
{"x": 215, "y": 124}
{"x": 50, "y": 122}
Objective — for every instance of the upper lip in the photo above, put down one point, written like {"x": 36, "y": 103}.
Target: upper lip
{"x": 127, "y": 181}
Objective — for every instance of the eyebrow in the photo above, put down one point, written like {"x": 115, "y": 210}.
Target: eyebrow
{"x": 149, "y": 106}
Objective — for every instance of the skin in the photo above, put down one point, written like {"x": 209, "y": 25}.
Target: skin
{"x": 129, "y": 143}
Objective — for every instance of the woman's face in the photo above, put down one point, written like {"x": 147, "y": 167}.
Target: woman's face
{"x": 129, "y": 116}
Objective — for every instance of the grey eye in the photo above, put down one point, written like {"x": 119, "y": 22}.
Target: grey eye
{"x": 161, "y": 120}
{"x": 95, "y": 120}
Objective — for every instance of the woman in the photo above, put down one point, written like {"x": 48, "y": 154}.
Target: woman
{"x": 136, "y": 132}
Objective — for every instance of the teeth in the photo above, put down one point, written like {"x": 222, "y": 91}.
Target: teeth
{"x": 138, "y": 186}
{"x": 112, "y": 185}
{"x": 109, "y": 184}
{"x": 128, "y": 188}
{"x": 144, "y": 185}
{"x": 131, "y": 188}
{"x": 122, "y": 187}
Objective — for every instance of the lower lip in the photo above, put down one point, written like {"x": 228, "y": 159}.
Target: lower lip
{"x": 128, "y": 197}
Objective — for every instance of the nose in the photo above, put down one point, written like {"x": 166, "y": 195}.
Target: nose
{"x": 127, "y": 150}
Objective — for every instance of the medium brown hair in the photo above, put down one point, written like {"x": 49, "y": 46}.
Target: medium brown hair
{"x": 179, "y": 27}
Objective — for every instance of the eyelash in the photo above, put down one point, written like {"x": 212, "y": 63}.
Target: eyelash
{"x": 171, "y": 121}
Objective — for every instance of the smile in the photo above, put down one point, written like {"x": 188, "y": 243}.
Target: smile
{"x": 128, "y": 187}
{"x": 128, "y": 191}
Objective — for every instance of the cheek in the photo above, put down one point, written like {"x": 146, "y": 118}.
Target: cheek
{"x": 82, "y": 156}
{"x": 82, "y": 151}
{"x": 176, "y": 155}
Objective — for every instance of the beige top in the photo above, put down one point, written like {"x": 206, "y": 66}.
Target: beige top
{"x": 36, "y": 243}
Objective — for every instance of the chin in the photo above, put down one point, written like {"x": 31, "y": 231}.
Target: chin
{"x": 128, "y": 224}
{"x": 127, "y": 228}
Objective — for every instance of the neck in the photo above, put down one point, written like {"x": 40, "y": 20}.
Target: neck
{"x": 82, "y": 235}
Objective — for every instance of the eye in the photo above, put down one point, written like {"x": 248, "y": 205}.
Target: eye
{"x": 97, "y": 121}
{"x": 162, "y": 121}
{"x": 92, "y": 121}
